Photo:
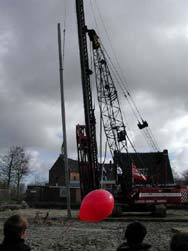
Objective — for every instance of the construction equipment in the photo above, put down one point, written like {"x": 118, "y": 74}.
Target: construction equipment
{"x": 115, "y": 131}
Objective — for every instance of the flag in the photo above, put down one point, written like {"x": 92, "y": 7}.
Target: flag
{"x": 137, "y": 175}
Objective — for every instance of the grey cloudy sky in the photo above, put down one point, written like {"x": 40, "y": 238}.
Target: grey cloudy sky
{"x": 150, "y": 40}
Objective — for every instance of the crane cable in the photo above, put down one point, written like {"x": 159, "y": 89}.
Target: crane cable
{"x": 129, "y": 140}
{"x": 125, "y": 81}
{"x": 127, "y": 94}
{"x": 113, "y": 69}
{"x": 131, "y": 102}
{"x": 64, "y": 33}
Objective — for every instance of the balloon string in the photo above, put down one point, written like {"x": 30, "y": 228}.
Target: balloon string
{"x": 67, "y": 227}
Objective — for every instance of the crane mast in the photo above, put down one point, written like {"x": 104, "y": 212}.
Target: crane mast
{"x": 86, "y": 135}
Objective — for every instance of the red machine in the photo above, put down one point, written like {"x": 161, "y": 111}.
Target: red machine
{"x": 164, "y": 195}
{"x": 123, "y": 187}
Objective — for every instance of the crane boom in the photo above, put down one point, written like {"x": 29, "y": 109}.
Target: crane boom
{"x": 111, "y": 114}
{"x": 114, "y": 126}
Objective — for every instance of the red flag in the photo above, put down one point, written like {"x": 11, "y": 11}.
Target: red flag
{"x": 137, "y": 175}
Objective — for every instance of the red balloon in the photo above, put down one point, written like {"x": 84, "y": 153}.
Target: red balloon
{"x": 96, "y": 205}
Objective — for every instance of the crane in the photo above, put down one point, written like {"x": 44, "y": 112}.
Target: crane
{"x": 115, "y": 131}
{"x": 114, "y": 126}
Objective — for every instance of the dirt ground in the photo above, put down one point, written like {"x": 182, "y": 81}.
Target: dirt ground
{"x": 57, "y": 233}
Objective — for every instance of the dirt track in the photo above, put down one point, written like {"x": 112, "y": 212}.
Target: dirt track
{"x": 57, "y": 233}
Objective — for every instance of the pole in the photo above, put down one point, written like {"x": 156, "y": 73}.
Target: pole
{"x": 64, "y": 148}
{"x": 101, "y": 152}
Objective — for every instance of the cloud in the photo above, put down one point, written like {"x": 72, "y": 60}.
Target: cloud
{"x": 149, "y": 39}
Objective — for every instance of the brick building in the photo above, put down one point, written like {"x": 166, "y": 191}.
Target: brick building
{"x": 54, "y": 194}
{"x": 57, "y": 177}
{"x": 156, "y": 166}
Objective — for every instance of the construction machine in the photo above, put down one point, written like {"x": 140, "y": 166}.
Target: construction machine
{"x": 122, "y": 182}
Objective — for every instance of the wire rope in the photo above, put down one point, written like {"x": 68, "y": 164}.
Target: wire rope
{"x": 126, "y": 95}
{"x": 125, "y": 83}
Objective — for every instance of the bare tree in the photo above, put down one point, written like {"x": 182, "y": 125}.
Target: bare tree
{"x": 15, "y": 166}
{"x": 7, "y": 167}
{"x": 178, "y": 179}
{"x": 38, "y": 180}
{"x": 21, "y": 167}
{"x": 185, "y": 177}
